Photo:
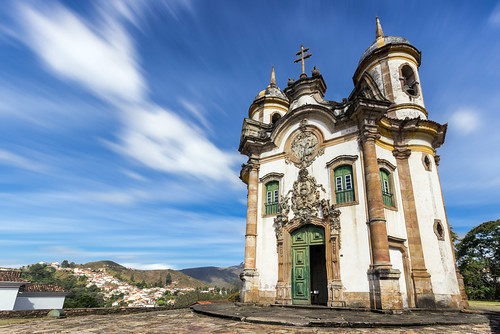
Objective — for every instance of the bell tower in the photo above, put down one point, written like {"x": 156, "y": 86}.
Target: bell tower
{"x": 392, "y": 63}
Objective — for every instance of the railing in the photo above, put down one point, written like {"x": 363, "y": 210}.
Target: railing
{"x": 344, "y": 196}
{"x": 271, "y": 208}
{"x": 387, "y": 197}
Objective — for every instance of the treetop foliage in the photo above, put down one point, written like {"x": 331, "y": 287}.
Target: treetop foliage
{"x": 478, "y": 258}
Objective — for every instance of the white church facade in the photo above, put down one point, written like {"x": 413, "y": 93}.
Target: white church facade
{"x": 345, "y": 206}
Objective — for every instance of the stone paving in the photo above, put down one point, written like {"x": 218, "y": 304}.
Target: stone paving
{"x": 187, "y": 321}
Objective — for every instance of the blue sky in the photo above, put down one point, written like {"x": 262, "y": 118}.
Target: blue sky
{"x": 120, "y": 120}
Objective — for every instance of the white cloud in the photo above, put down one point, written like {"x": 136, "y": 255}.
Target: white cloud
{"x": 142, "y": 266}
{"x": 104, "y": 63}
{"x": 102, "y": 59}
{"x": 13, "y": 159}
{"x": 465, "y": 121}
{"x": 162, "y": 140}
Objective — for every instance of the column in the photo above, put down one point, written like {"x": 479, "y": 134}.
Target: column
{"x": 384, "y": 281}
{"x": 424, "y": 296}
{"x": 376, "y": 216}
{"x": 250, "y": 274}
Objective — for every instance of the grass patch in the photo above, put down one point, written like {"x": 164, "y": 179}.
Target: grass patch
{"x": 484, "y": 305}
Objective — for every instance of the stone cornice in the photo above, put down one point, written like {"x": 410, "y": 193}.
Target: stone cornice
{"x": 260, "y": 103}
{"x": 402, "y": 130}
{"x": 271, "y": 177}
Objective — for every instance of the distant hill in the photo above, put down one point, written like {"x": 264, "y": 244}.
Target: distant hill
{"x": 179, "y": 280}
{"x": 214, "y": 276}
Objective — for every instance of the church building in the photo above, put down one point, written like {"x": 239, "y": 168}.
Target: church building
{"x": 345, "y": 207}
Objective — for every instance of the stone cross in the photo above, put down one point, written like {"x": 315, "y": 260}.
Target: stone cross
{"x": 302, "y": 57}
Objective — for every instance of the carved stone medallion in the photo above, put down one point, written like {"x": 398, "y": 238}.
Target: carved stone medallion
{"x": 304, "y": 147}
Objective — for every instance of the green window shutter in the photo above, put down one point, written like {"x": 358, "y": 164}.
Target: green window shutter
{"x": 386, "y": 187}
{"x": 344, "y": 184}
{"x": 272, "y": 197}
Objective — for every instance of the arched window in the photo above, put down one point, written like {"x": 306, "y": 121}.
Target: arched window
{"x": 275, "y": 118}
{"x": 272, "y": 197}
{"x": 344, "y": 188}
{"x": 386, "y": 187}
{"x": 408, "y": 80}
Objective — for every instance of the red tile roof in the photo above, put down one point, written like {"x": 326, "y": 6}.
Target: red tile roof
{"x": 11, "y": 276}
{"x": 41, "y": 287}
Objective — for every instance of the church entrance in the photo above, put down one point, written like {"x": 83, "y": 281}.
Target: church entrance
{"x": 309, "y": 279}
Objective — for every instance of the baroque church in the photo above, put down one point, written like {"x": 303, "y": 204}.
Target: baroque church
{"x": 345, "y": 207}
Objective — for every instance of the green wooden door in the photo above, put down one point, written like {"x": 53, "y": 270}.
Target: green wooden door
{"x": 302, "y": 238}
{"x": 386, "y": 187}
{"x": 301, "y": 280}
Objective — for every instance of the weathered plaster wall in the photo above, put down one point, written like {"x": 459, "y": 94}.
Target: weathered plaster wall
{"x": 8, "y": 295}
{"x": 437, "y": 253}
{"x": 34, "y": 302}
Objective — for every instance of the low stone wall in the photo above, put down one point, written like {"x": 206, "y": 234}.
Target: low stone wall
{"x": 74, "y": 312}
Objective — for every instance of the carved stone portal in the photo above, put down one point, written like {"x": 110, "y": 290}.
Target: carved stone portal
{"x": 308, "y": 208}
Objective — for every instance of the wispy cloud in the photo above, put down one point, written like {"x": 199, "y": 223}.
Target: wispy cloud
{"x": 104, "y": 63}
{"x": 101, "y": 58}
{"x": 134, "y": 175}
{"x": 13, "y": 159}
{"x": 146, "y": 266}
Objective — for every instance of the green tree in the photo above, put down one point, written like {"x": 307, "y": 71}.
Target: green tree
{"x": 168, "y": 280}
{"x": 65, "y": 264}
{"x": 478, "y": 258}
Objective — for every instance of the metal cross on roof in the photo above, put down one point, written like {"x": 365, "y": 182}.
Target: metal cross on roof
{"x": 302, "y": 57}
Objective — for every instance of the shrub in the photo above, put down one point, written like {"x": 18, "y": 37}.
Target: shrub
{"x": 235, "y": 297}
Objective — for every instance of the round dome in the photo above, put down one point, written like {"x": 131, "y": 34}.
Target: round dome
{"x": 387, "y": 41}
{"x": 271, "y": 91}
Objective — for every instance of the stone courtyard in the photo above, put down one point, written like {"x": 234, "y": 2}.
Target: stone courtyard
{"x": 187, "y": 321}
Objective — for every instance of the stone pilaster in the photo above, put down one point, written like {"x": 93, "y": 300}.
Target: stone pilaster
{"x": 384, "y": 281}
{"x": 376, "y": 216}
{"x": 250, "y": 276}
{"x": 424, "y": 296}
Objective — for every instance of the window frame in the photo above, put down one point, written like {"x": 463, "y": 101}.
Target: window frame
{"x": 339, "y": 161}
{"x": 390, "y": 169}
{"x": 264, "y": 181}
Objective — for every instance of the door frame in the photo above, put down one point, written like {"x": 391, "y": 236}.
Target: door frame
{"x": 303, "y": 247}
{"x": 332, "y": 245}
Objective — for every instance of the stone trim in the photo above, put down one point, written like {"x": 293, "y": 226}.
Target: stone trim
{"x": 398, "y": 243}
{"x": 272, "y": 176}
{"x": 427, "y": 162}
{"x": 342, "y": 160}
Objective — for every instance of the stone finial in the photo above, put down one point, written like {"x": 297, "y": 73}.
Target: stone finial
{"x": 315, "y": 71}
{"x": 378, "y": 30}
{"x": 273, "y": 77}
